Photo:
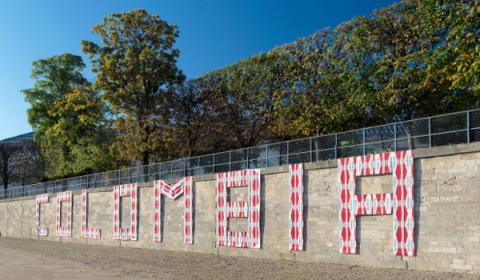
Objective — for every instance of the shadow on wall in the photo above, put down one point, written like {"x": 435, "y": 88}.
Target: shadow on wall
{"x": 418, "y": 174}
{"x": 262, "y": 209}
{"x": 305, "y": 208}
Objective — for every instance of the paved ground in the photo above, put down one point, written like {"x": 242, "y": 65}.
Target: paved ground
{"x": 26, "y": 259}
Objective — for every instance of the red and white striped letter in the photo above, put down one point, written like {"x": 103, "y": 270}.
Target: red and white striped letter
{"x": 120, "y": 232}
{"x": 86, "y": 231}
{"x": 39, "y": 199}
{"x": 64, "y": 230}
{"x": 295, "y": 207}
{"x": 182, "y": 186}
{"x": 249, "y": 178}
{"x": 400, "y": 165}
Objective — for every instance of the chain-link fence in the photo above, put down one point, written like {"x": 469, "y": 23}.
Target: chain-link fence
{"x": 455, "y": 128}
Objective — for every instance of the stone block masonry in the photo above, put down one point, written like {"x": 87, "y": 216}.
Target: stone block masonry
{"x": 447, "y": 224}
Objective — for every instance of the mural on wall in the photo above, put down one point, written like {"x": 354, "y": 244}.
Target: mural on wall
{"x": 39, "y": 199}
{"x": 183, "y": 186}
{"x": 400, "y": 203}
{"x": 295, "y": 207}
{"x": 86, "y": 230}
{"x": 249, "y": 178}
{"x": 62, "y": 229}
{"x": 121, "y": 232}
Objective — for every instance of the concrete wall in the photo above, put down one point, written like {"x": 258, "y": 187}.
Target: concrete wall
{"x": 447, "y": 205}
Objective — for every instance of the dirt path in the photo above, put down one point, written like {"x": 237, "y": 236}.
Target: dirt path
{"x": 26, "y": 259}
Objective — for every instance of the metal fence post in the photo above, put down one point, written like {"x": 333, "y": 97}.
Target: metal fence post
{"x": 468, "y": 126}
{"x": 430, "y": 132}
{"x": 395, "y": 137}
{"x": 230, "y": 160}
{"x": 266, "y": 155}
{"x": 336, "y": 145}
{"x": 364, "y": 145}
{"x": 288, "y": 152}
{"x": 311, "y": 150}
{"x": 213, "y": 162}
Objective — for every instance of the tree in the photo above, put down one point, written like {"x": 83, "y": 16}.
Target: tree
{"x": 312, "y": 97}
{"x": 79, "y": 139}
{"x": 8, "y": 153}
{"x": 29, "y": 163}
{"x": 67, "y": 117}
{"x": 242, "y": 100}
{"x": 455, "y": 63}
{"x": 251, "y": 86}
{"x": 54, "y": 78}
{"x": 193, "y": 111}
{"x": 413, "y": 58}
{"x": 136, "y": 70}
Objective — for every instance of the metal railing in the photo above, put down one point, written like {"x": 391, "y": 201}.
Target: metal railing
{"x": 454, "y": 128}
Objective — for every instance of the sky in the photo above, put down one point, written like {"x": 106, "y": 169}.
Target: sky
{"x": 213, "y": 34}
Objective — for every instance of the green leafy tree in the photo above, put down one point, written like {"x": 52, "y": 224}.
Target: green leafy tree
{"x": 54, "y": 77}
{"x": 252, "y": 85}
{"x": 413, "y": 58}
{"x": 455, "y": 65}
{"x": 136, "y": 71}
{"x": 67, "y": 117}
{"x": 79, "y": 137}
{"x": 311, "y": 100}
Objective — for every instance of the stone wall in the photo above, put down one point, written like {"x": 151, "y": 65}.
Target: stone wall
{"x": 447, "y": 224}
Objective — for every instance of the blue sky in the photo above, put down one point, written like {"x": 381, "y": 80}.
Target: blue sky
{"x": 213, "y": 34}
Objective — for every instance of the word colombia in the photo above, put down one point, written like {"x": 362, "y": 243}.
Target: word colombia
{"x": 399, "y": 204}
